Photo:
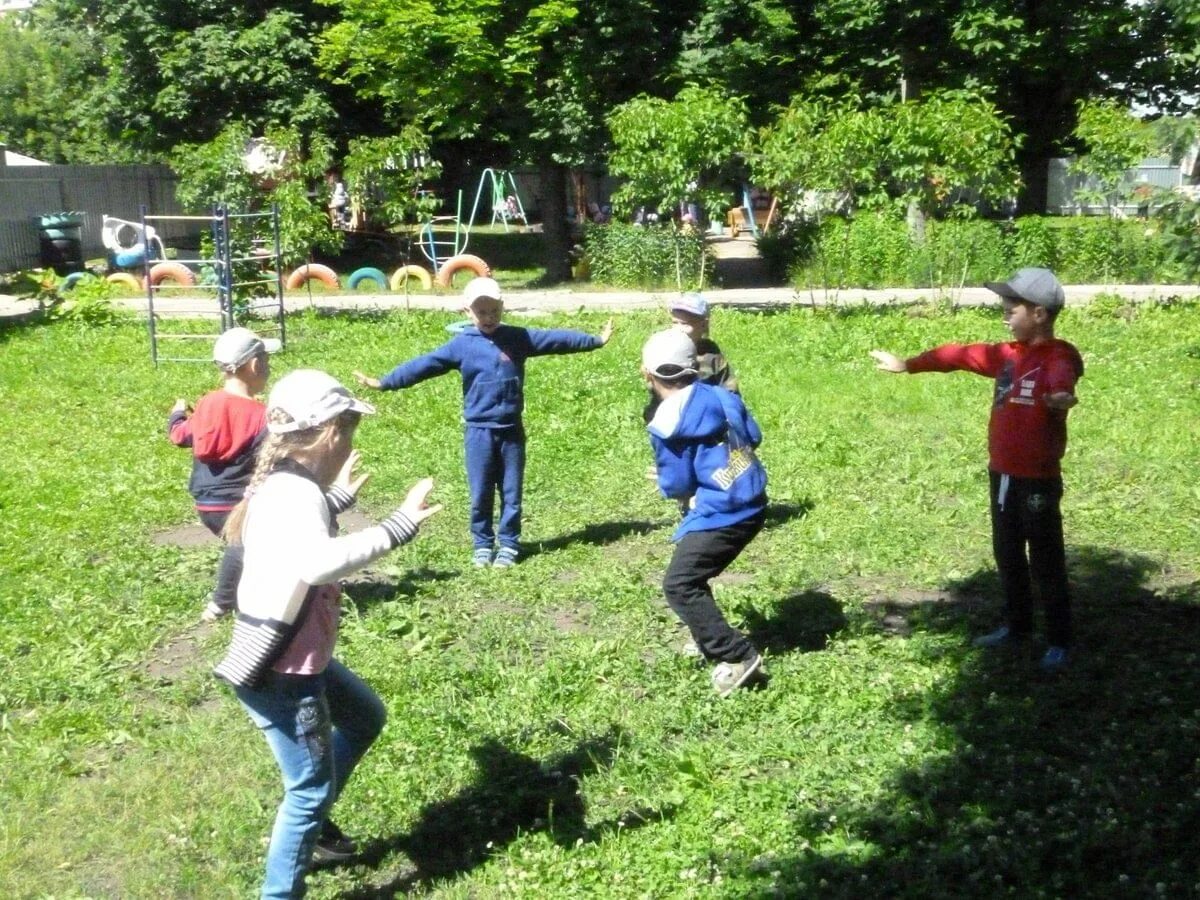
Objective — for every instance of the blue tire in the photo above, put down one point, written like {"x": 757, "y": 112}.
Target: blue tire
{"x": 367, "y": 273}
{"x": 127, "y": 259}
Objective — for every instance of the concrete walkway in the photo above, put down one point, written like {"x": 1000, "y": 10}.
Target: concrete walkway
{"x": 545, "y": 301}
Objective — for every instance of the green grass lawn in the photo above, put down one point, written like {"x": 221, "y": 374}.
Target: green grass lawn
{"x": 545, "y": 737}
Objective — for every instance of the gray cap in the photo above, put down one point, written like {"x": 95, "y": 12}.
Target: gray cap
{"x": 238, "y": 346}
{"x": 669, "y": 354}
{"x": 1033, "y": 285}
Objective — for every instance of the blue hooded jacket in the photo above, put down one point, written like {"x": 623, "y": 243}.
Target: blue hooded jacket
{"x": 492, "y": 366}
{"x": 704, "y": 440}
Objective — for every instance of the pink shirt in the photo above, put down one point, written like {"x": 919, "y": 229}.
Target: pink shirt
{"x": 312, "y": 647}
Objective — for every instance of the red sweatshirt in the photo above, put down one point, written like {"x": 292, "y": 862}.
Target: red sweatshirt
{"x": 1026, "y": 438}
{"x": 224, "y": 433}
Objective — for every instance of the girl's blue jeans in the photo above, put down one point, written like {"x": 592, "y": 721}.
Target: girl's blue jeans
{"x": 318, "y": 727}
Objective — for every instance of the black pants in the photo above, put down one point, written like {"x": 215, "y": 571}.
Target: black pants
{"x": 1026, "y": 514}
{"x": 229, "y": 572}
{"x": 700, "y": 556}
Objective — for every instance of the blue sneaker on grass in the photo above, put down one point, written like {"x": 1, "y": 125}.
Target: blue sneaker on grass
{"x": 506, "y": 558}
{"x": 482, "y": 557}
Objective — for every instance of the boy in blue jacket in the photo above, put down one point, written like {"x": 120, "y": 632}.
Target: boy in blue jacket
{"x": 704, "y": 438}
{"x": 491, "y": 357}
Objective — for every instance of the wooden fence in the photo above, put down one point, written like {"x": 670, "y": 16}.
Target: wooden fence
{"x": 96, "y": 191}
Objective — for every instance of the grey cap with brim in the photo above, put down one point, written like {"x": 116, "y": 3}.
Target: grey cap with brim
{"x": 1031, "y": 285}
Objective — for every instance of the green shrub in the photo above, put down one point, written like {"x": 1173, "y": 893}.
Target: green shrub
{"x": 646, "y": 257}
{"x": 958, "y": 252}
{"x": 1032, "y": 242}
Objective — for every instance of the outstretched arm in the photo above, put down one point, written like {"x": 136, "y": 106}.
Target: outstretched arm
{"x": 889, "y": 362}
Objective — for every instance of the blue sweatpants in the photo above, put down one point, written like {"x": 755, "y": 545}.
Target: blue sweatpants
{"x": 495, "y": 462}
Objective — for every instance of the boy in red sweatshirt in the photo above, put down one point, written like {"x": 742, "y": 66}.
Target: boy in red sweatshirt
{"x": 1035, "y": 377}
{"x": 224, "y": 433}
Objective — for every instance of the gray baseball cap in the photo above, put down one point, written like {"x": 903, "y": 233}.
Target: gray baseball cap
{"x": 1033, "y": 285}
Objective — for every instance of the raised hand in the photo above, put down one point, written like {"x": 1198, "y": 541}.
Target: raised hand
{"x": 366, "y": 380}
{"x": 415, "y": 505}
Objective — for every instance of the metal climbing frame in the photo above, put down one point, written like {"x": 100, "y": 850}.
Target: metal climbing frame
{"x": 438, "y": 251}
{"x": 502, "y": 209}
{"x": 244, "y": 274}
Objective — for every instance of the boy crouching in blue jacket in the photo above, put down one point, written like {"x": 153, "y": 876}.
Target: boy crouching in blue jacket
{"x": 704, "y": 439}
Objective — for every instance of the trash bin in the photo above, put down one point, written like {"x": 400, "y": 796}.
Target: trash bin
{"x": 60, "y": 242}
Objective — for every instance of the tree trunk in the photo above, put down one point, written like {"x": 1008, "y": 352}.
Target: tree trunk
{"x": 556, "y": 233}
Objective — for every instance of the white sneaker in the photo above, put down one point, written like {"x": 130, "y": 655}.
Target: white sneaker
{"x": 212, "y": 612}
{"x": 728, "y": 677}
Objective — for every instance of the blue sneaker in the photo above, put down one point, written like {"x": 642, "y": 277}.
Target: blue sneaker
{"x": 1054, "y": 660}
{"x": 1001, "y": 637}
{"x": 506, "y": 558}
{"x": 482, "y": 557}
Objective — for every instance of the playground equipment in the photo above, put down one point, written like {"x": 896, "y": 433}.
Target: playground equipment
{"x": 367, "y": 273}
{"x": 506, "y": 200}
{"x": 243, "y": 273}
{"x": 439, "y": 251}
{"x": 130, "y": 243}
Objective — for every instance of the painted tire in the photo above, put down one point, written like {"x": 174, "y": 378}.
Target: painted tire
{"x": 462, "y": 261}
{"x": 401, "y": 276}
{"x": 73, "y": 279}
{"x": 367, "y": 273}
{"x": 128, "y": 258}
{"x": 171, "y": 271}
{"x": 124, "y": 278}
{"x": 323, "y": 274}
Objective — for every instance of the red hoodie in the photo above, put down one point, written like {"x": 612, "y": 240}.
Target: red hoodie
{"x": 1026, "y": 438}
{"x": 224, "y": 433}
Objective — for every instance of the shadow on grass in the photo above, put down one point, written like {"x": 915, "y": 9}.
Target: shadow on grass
{"x": 1078, "y": 785}
{"x": 368, "y": 588}
{"x": 782, "y": 513}
{"x": 803, "y": 622}
{"x": 514, "y": 794}
{"x": 598, "y": 534}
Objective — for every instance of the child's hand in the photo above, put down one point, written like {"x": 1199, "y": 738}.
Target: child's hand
{"x": 366, "y": 380}
{"x": 606, "y": 332}
{"x": 888, "y": 362}
{"x": 181, "y": 406}
{"x": 1061, "y": 400}
{"x": 415, "y": 506}
{"x": 346, "y": 479}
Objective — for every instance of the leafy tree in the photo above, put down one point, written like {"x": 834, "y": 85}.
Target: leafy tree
{"x": 386, "y": 175}
{"x": 215, "y": 174}
{"x": 931, "y": 153}
{"x": 1037, "y": 58}
{"x": 1115, "y": 141}
{"x": 530, "y": 79}
{"x": 678, "y": 150}
{"x": 45, "y": 107}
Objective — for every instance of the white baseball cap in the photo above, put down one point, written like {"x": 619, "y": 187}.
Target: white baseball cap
{"x": 669, "y": 354}
{"x": 311, "y": 398}
{"x": 238, "y": 346}
{"x": 481, "y": 287}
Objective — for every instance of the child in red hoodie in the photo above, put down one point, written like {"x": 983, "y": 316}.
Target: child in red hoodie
{"x": 1035, "y": 377}
{"x": 224, "y": 432}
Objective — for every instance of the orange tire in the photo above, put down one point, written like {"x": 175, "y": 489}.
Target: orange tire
{"x": 323, "y": 274}
{"x": 172, "y": 271}
{"x": 124, "y": 278}
{"x": 462, "y": 261}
